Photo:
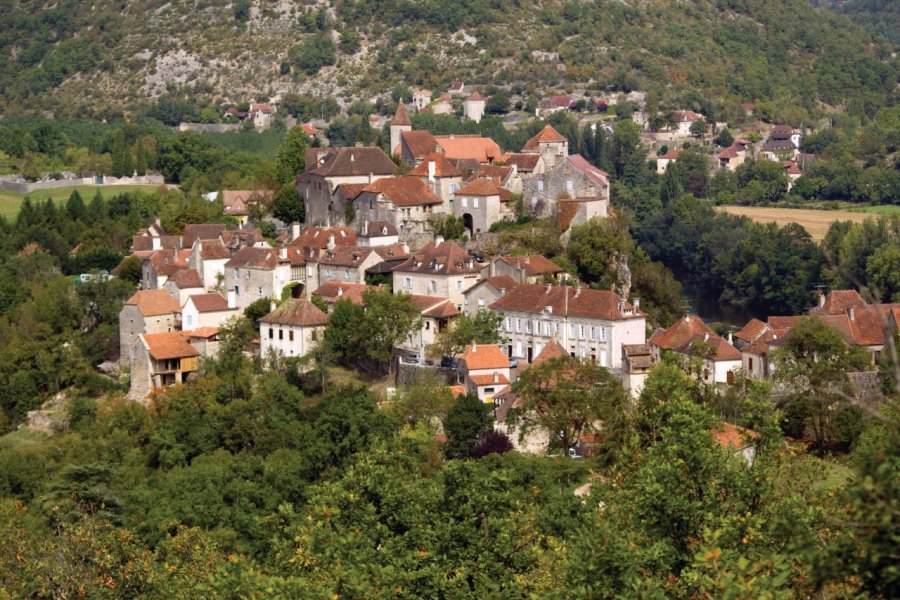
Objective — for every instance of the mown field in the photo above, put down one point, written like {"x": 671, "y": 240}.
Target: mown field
{"x": 816, "y": 222}
{"x": 10, "y": 202}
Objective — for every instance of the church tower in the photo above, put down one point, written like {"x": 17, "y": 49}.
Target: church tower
{"x": 399, "y": 124}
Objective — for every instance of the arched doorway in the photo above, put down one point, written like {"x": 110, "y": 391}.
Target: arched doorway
{"x": 469, "y": 223}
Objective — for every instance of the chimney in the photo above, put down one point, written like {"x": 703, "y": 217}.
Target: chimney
{"x": 496, "y": 377}
{"x": 637, "y": 304}
{"x": 295, "y": 230}
{"x": 438, "y": 240}
{"x": 821, "y": 299}
{"x": 502, "y": 292}
{"x": 371, "y": 177}
{"x": 405, "y": 247}
{"x": 851, "y": 312}
{"x": 431, "y": 168}
{"x": 232, "y": 299}
{"x": 340, "y": 292}
{"x": 271, "y": 306}
{"x": 548, "y": 288}
{"x": 157, "y": 243}
{"x": 474, "y": 347}
{"x": 352, "y": 158}
{"x": 330, "y": 244}
{"x": 282, "y": 252}
{"x": 705, "y": 337}
{"x": 577, "y": 291}
{"x": 730, "y": 338}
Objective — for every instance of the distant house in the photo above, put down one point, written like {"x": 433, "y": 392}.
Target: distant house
{"x": 208, "y": 258}
{"x": 690, "y": 336}
{"x": 377, "y": 233}
{"x": 487, "y": 291}
{"x": 683, "y": 121}
{"x": 571, "y": 179}
{"x": 550, "y": 144}
{"x": 164, "y": 359}
{"x": 481, "y": 203}
{"x": 737, "y": 440}
{"x": 783, "y": 144}
{"x": 591, "y": 324}
{"x": 457, "y": 88}
{"x": 527, "y": 165}
{"x": 441, "y": 269}
{"x": 350, "y": 263}
{"x": 261, "y": 113}
{"x": 256, "y": 273}
{"x": 233, "y": 112}
{"x": 637, "y": 360}
{"x": 441, "y": 106}
{"x": 663, "y": 161}
{"x": 528, "y": 268}
{"x": 328, "y": 168}
{"x": 147, "y": 311}
{"x": 162, "y": 264}
{"x": 208, "y": 310}
{"x": 238, "y": 203}
{"x": 404, "y": 202}
{"x": 435, "y": 313}
{"x": 553, "y": 104}
{"x": 333, "y": 292}
{"x": 473, "y": 107}
{"x": 184, "y": 284}
{"x": 421, "y": 98}
{"x": 484, "y": 370}
{"x": 468, "y": 148}
{"x": 292, "y": 329}
{"x": 734, "y": 156}
{"x": 441, "y": 177}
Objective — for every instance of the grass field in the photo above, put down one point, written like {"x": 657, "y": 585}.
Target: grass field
{"x": 9, "y": 201}
{"x": 884, "y": 209}
{"x": 816, "y": 222}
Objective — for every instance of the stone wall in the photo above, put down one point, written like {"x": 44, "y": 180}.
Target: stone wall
{"x": 210, "y": 127}
{"x": 24, "y": 187}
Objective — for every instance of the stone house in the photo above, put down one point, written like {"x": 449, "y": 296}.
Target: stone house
{"x": 441, "y": 177}
{"x": 550, "y": 144}
{"x": 468, "y": 148}
{"x": 691, "y": 337}
{"x": 478, "y": 204}
{"x": 637, "y": 360}
{"x": 261, "y": 114}
{"x": 734, "y": 155}
{"x": 208, "y": 258}
{"x": 292, "y": 329}
{"x": 164, "y": 359}
{"x": 184, "y": 284}
{"x": 255, "y": 273}
{"x": 377, "y": 233}
{"x": 683, "y": 121}
{"x": 333, "y": 292}
{"x": 208, "y": 310}
{"x": 328, "y": 168}
{"x": 147, "y": 311}
{"x": 483, "y": 369}
{"x": 404, "y": 202}
{"x": 553, "y": 104}
{"x": 663, "y": 161}
{"x": 421, "y": 98}
{"x": 349, "y": 264}
{"x": 399, "y": 124}
{"x": 487, "y": 291}
{"x": 441, "y": 269}
{"x": 528, "y": 268}
{"x": 201, "y": 231}
{"x": 239, "y": 203}
{"x": 573, "y": 178}
{"x": 160, "y": 265}
{"x": 473, "y": 107}
{"x": 435, "y": 313}
{"x": 527, "y": 165}
{"x": 415, "y": 146}
{"x": 590, "y": 324}
{"x": 442, "y": 106}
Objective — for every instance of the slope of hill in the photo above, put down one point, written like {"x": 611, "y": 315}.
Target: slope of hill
{"x": 71, "y": 56}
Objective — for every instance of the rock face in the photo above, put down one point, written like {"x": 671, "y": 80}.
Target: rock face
{"x": 51, "y": 417}
{"x": 619, "y": 264}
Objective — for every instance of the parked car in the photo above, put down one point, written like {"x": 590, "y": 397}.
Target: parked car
{"x": 573, "y": 454}
{"x": 477, "y": 256}
{"x": 449, "y": 362}
{"x": 513, "y": 363}
{"x": 413, "y": 358}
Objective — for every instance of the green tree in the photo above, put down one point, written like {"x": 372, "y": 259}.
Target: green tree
{"x": 287, "y": 205}
{"x": 388, "y": 319}
{"x": 75, "y": 208}
{"x": 483, "y": 328}
{"x": 467, "y": 420}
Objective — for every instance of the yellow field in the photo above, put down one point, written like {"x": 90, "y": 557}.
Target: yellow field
{"x": 816, "y": 222}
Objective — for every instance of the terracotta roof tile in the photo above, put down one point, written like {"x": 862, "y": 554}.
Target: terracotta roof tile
{"x": 299, "y": 313}
{"x": 546, "y": 135}
{"x": 733, "y": 437}
{"x": 442, "y": 166}
{"x": 436, "y": 307}
{"x": 420, "y": 143}
{"x": 317, "y": 237}
{"x": 498, "y": 282}
{"x": 484, "y": 356}
{"x": 333, "y": 291}
{"x": 752, "y": 330}
{"x": 187, "y": 278}
{"x": 444, "y": 259}
{"x": 838, "y": 301}
{"x": 352, "y": 161}
{"x": 553, "y": 349}
{"x": 378, "y": 229}
{"x": 672, "y": 154}
{"x": 152, "y": 303}
{"x": 577, "y": 302}
{"x": 472, "y": 147}
{"x": 401, "y": 117}
{"x": 254, "y": 258}
{"x": 524, "y": 163}
{"x": 533, "y": 264}
{"x": 479, "y": 187}
{"x": 680, "y": 334}
{"x": 350, "y": 190}
{"x": 404, "y": 191}
{"x": 205, "y": 303}
{"x": 491, "y": 379}
{"x": 213, "y": 250}
{"x": 170, "y": 345}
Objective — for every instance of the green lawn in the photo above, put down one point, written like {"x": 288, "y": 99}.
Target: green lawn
{"x": 884, "y": 209}
{"x": 9, "y": 201}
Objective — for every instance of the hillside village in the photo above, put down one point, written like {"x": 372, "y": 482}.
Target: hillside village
{"x": 371, "y": 227}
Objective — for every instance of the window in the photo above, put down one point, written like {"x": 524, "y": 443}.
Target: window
{"x": 453, "y": 188}
{"x": 488, "y": 390}
{"x": 188, "y": 321}
{"x": 248, "y": 274}
{"x": 540, "y": 185}
{"x": 237, "y": 290}
{"x": 569, "y": 186}
{"x": 407, "y": 282}
{"x": 271, "y": 335}
{"x": 432, "y": 286}
{"x": 528, "y": 326}
{"x": 281, "y": 334}
{"x": 602, "y": 334}
{"x": 465, "y": 203}
{"x": 291, "y": 335}
{"x": 750, "y": 364}
{"x": 237, "y": 273}
{"x": 581, "y": 332}
{"x": 573, "y": 330}
{"x": 459, "y": 284}
{"x": 481, "y": 302}
{"x": 518, "y": 324}
{"x": 508, "y": 324}
{"x": 592, "y": 332}
{"x": 474, "y": 202}
{"x": 427, "y": 325}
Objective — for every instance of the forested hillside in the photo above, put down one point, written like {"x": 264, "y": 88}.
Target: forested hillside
{"x": 85, "y": 59}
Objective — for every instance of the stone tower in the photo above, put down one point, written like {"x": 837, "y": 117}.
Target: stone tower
{"x": 399, "y": 124}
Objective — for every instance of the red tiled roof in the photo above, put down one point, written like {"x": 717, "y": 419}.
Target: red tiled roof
{"x": 492, "y": 379}
{"x": 308, "y": 129}
{"x": 152, "y": 303}
{"x": 317, "y": 237}
{"x": 533, "y": 264}
{"x": 442, "y": 166}
{"x": 187, "y": 278}
{"x": 444, "y": 259}
{"x": 577, "y": 302}
{"x": 404, "y": 191}
{"x": 254, "y": 258}
{"x": 201, "y": 231}
{"x": 553, "y": 349}
{"x": 351, "y": 161}
{"x": 671, "y": 154}
{"x": 419, "y": 142}
{"x": 457, "y": 390}
{"x": 435, "y": 307}
{"x": 546, "y": 135}
{"x": 473, "y": 147}
{"x": 639, "y": 355}
{"x": 333, "y": 291}
{"x": 205, "y": 303}
{"x": 167, "y": 262}
{"x": 687, "y": 115}
{"x": 752, "y": 330}
{"x": 202, "y": 332}
{"x": 299, "y": 313}
{"x": 213, "y": 250}
{"x": 484, "y": 356}
{"x": 558, "y": 101}
{"x": 401, "y": 117}
{"x": 681, "y": 333}
{"x": 838, "y": 301}
{"x": 733, "y": 437}
{"x": 479, "y": 187}
{"x": 145, "y": 242}
{"x": 350, "y": 190}
{"x": 524, "y": 163}
{"x": 166, "y": 346}
{"x": 498, "y": 282}
{"x": 475, "y": 97}
{"x": 379, "y": 229}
